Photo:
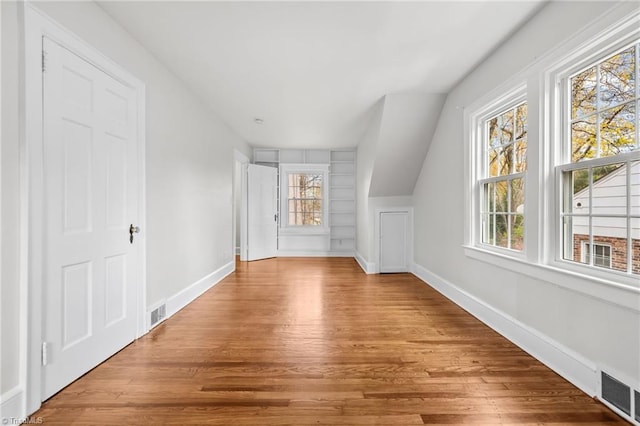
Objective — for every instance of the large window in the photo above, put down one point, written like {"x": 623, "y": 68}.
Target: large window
{"x": 552, "y": 176}
{"x": 600, "y": 169}
{"x": 303, "y": 195}
{"x": 501, "y": 183}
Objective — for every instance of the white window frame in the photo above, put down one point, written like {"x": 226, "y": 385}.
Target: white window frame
{"x": 586, "y": 255}
{"x": 559, "y": 116}
{"x": 539, "y": 259}
{"x": 285, "y": 171}
{"x": 476, "y": 120}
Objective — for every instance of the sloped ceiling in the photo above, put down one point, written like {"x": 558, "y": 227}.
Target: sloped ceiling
{"x": 311, "y": 70}
{"x": 406, "y": 129}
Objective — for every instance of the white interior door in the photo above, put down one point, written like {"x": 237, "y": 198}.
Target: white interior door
{"x": 393, "y": 241}
{"x": 92, "y": 271}
{"x": 262, "y": 219}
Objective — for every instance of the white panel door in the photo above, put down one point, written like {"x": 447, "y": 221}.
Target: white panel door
{"x": 262, "y": 219}
{"x": 393, "y": 241}
{"x": 91, "y": 178}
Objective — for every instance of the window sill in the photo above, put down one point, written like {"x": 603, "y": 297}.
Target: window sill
{"x": 625, "y": 293}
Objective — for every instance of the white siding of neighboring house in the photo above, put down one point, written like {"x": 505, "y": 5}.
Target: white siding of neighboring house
{"x": 609, "y": 198}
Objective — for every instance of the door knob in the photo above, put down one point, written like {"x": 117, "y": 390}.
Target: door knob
{"x": 133, "y": 230}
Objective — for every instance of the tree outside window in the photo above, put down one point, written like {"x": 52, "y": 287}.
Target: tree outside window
{"x": 502, "y": 187}
{"x": 304, "y": 199}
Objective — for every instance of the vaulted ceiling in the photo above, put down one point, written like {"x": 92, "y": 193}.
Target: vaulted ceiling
{"x": 312, "y": 71}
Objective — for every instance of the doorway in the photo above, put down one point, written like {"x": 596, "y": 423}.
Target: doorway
{"x": 262, "y": 212}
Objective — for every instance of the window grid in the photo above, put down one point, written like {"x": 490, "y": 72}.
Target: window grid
{"x": 600, "y": 253}
{"x": 600, "y": 161}
{"x": 502, "y": 185}
{"x": 599, "y": 106}
{"x": 304, "y": 201}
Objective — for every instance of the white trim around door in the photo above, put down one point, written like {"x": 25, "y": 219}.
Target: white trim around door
{"x": 36, "y": 26}
{"x": 409, "y": 239}
{"x": 240, "y": 163}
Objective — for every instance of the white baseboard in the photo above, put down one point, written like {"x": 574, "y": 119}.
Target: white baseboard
{"x": 312, "y": 253}
{"x": 186, "y": 296}
{"x": 367, "y": 267}
{"x": 11, "y": 405}
{"x": 567, "y": 363}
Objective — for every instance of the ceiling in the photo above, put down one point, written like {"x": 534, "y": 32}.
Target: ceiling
{"x": 313, "y": 70}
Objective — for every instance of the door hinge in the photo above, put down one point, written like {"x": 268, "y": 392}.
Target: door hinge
{"x": 45, "y": 358}
{"x": 44, "y": 61}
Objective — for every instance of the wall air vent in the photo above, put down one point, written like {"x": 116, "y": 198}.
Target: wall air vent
{"x": 616, "y": 393}
{"x": 157, "y": 315}
{"x": 637, "y": 405}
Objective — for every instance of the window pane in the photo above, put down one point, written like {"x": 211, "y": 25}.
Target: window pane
{"x": 493, "y": 163}
{"x": 521, "y": 156}
{"x": 611, "y": 231}
{"x": 576, "y": 184}
{"x": 583, "y": 93}
{"x": 583, "y": 139}
{"x": 305, "y": 199}
{"x": 494, "y": 133}
{"x": 601, "y": 254}
{"x": 506, "y": 126}
{"x": 617, "y": 78}
{"x": 517, "y": 231}
{"x": 502, "y": 235}
{"x": 488, "y": 229}
{"x": 609, "y": 191}
{"x": 521, "y": 122}
{"x": 306, "y": 218}
{"x": 601, "y": 203}
{"x": 617, "y": 130}
{"x": 502, "y": 196}
{"x": 487, "y": 198}
{"x": 502, "y": 202}
{"x": 576, "y": 235}
{"x": 635, "y": 189}
{"x": 506, "y": 160}
{"x": 635, "y": 239}
{"x": 517, "y": 196}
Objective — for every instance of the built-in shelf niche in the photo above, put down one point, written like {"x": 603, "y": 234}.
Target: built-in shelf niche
{"x": 342, "y": 188}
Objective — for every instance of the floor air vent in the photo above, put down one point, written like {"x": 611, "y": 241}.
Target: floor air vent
{"x": 617, "y": 393}
{"x": 158, "y": 314}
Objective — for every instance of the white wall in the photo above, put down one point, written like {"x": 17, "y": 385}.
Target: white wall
{"x": 389, "y": 160}
{"x": 237, "y": 201}
{"x": 365, "y": 160}
{"x": 408, "y": 123}
{"x": 10, "y": 196}
{"x": 189, "y": 169}
{"x": 601, "y": 332}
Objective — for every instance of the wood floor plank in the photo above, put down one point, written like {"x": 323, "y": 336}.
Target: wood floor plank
{"x": 298, "y": 341}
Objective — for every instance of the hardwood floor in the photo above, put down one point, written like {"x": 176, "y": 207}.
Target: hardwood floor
{"x": 316, "y": 341}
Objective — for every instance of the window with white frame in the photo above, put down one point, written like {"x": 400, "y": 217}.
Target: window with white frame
{"x": 304, "y": 199}
{"x": 601, "y": 254}
{"x": 303, "y": 194}
{"x": 599, "y": 167}
{"x": 502, "y": 135}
